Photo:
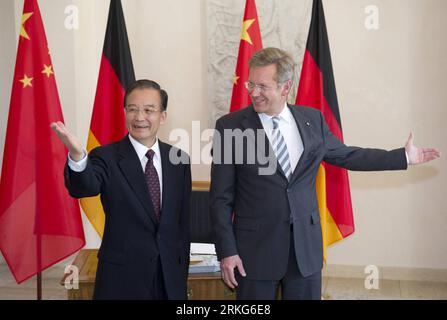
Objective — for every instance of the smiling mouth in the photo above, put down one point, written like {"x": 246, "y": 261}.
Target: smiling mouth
{"x": 140, "y": 126}
{"x": 258, "y": 101}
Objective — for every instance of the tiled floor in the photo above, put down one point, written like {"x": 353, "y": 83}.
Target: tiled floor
{"x": 354, "y": 288}
{"x": 333, "y": 288}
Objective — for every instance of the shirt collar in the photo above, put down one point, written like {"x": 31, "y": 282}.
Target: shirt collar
{"x": 141, "y": 149}
{"x": 285, "y": 115}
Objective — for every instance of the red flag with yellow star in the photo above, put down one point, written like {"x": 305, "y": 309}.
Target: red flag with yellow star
{"x": 40, "y": 224}
{"x": 250, "y": 43}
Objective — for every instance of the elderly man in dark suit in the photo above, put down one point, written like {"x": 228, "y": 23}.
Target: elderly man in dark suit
{"x": 145, "y": 193}
{"x": 265, "y": 211}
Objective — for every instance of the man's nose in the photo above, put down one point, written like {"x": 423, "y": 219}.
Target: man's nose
{"x": 255, "y": 92}
{"x": 140, "y": 115}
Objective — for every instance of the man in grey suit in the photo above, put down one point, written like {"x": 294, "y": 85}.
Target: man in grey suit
{"x": 265, "y": 212}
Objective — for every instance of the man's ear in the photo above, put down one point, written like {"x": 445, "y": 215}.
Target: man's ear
{"x": 164, "y": 116}
{"x": 286, "y": 87}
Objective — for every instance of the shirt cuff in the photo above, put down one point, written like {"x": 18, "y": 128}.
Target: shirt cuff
{"x": 406, "y": 155}
{"x": 78, "y": 166}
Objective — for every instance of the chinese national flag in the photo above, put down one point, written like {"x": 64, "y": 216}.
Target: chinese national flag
{"x": 40, "y": 224}
{"x": 317, "y": 89}
{"x": 250, "y": 43}
{"x": 108, "y": 120}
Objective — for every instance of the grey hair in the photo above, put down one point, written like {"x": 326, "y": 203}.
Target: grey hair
{"x": 281, "y": 59}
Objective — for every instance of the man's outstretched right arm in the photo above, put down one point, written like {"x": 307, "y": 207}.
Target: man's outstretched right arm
{"x": 83, "y": 175}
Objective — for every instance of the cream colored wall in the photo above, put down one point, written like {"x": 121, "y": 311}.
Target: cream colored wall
{"x": 7, "y": 61}
{"x": 389, "y": 82}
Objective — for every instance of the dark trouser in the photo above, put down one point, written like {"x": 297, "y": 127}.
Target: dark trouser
{"x": 293, "y": 286}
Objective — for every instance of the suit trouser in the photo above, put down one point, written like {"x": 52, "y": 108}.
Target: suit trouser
{"x": 293, "y": 285}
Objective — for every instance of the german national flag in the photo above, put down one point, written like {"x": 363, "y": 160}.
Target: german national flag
{"x": 317, "y": 89}
{"x": 250, "y": 43}
{"x": 108, "y": 120}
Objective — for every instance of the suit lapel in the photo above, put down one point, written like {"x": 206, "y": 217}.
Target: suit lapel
{"x": 304, "y": 127}
{"x": 168, "y": 181}
{"x": 263, "y": 150}
{"x": 251, "y": 120}
{"x": 130, "y": 165}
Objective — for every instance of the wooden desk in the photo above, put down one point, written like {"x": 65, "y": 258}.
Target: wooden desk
{"x": 208, "y": 286}
{"x": 86, "y": 263}
{"x": 201, "y": 286}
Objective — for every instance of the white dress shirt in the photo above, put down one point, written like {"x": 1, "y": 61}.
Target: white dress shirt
{"x": 289, "y": 129}
{"x": 141, "y": 151}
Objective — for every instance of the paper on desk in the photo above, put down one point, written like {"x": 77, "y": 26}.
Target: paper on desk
{"x": 202, "y": 248}
{"x": 208, "y": 263}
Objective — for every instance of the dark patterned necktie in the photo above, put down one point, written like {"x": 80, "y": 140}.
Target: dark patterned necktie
{"x": 153, "y": 183}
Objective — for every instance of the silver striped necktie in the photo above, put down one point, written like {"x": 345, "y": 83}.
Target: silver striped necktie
{"x": 280, "y": 149}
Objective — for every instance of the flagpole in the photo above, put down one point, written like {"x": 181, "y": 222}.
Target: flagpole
{"x": 39, "y": 286}
{"x": 39, "y": 254}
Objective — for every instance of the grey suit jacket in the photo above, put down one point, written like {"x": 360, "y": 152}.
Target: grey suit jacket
{"x": 252, "y": 212}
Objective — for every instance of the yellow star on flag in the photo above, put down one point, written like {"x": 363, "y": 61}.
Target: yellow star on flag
{"x": 25, "y": 17}
{"x": 244, "y": 34}
{"x": 26, "y": 81}
{"x": 47, "y": 70}
{"x": 235, "y": 78}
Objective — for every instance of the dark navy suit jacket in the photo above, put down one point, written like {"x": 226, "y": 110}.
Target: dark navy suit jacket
{"x": 134, "y": 243}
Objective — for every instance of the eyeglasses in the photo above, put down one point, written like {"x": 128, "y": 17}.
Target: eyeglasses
{"x": 250, "y": 86}
{"x": 147, "y": 111}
